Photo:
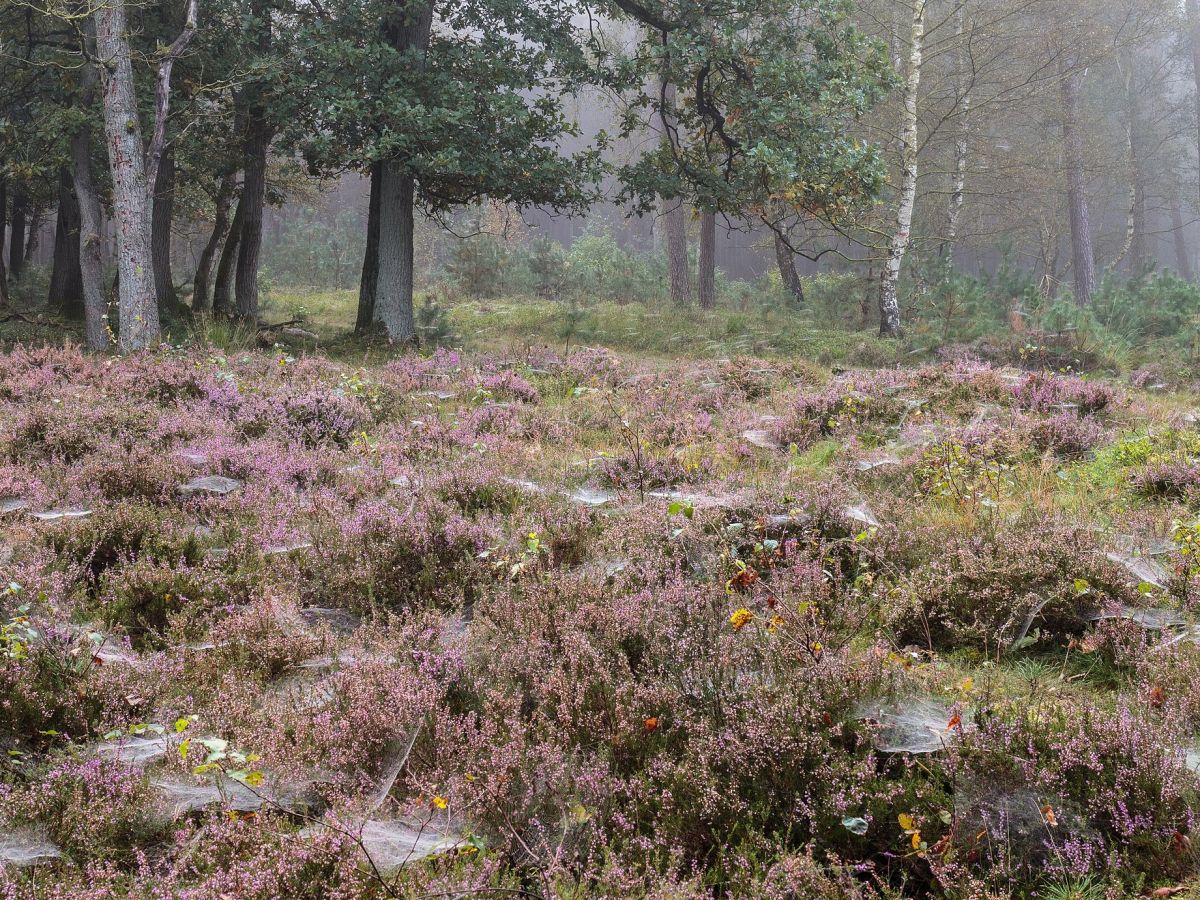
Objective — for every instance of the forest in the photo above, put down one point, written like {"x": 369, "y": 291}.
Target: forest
{"x": 632, "y": 449}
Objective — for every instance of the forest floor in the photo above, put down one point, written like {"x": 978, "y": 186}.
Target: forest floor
{"x": 706, "y": 617}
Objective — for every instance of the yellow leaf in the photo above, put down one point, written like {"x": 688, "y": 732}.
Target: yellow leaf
{"x": 906, "y": 821}
{"x": 254, "y": 779}
{"x": 916, "y": 840}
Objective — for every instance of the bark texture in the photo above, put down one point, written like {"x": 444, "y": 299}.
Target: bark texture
{"x": 674, "y": 216}
{"x": 66, "y": 278}
{"x": 37, "y": 217}
{"x": 257, "y": 140}
{"x": 16, "y": 237}
{"x": 137, "y": 302}
{"x": 1083, "y": 256}
{"x": 134, "y": 167}
{"x": 1183, "y": 257}
{"x": 223, "y": 285}
{"x": 160, "y": 231}
{"x": 3, "y": 223}
{"x": 202, "y": 281}
{"x": 91, "y": 262}
{"x": 1193, "y": 21}
{"x": 678, "y": 267}
{"x": 397, "y": 197}
{"x": 370, "y": 269}
{"x": 958, "y": 191}
{"x": 707, "y": 280}
{"x": 785, "y": 260}
{"x": 889, "y": 284}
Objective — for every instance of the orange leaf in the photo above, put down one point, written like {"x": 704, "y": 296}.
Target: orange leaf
{"x": 1048, "y": 815}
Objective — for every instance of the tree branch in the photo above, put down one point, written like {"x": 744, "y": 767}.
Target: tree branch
{"x": 162, "y": 94}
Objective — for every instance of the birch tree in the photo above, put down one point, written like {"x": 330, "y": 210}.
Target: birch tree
{"x": 889, "y": 298}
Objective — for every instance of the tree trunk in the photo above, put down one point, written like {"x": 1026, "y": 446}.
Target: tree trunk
{"x": 1083, "y": 257}
{"x": 222, "y": 304}
{"x": 16, "y": 240}
{"x": 1193, "y": 19}
{"x": 786, "y": 261}
{"x": 91, "y": 262}
{"x": 397, "y": 196}
{"x": 394, "y": 290}
{"x": 674, "y": 214}
{"x": 370, "y": 268}
{"x": 66, "y": 276}
{"x": 961, "y": 143}
{"x": 160, "y": 231}
{"x": 1183, "y": 258}
{"x": 1135, "y": 247}
{"x": 37, "y": 215}
{"x": 137, "y": 302}
{"x": 133, "y": 166}
{"x": 889, "y": 284}
{"x": 678, "y": 265}
{"x": 707, "y": 280}
{"x": 254, "y": 190}
{"x": 3, "y": 223}
{"x": 201, "y": 291}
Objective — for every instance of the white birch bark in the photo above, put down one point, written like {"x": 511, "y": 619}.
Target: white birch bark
{"x": 889, "y": 300}
{"x": 961, "y": 143}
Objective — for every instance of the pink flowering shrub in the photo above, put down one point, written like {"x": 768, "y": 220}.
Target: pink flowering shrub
{"x": 1045, "y": 393}
{"x": 508, "y": 385}
{"x": 1177, "y": 479}
{"x": 561, "y": 612}
{"x": 1066, "y": 434}
{"x": 92, "y": 809}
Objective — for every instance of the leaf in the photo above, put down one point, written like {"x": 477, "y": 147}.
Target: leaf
{"x": 916, "y": 840}
{"x": 181, "y": 724}
{"x": 254, "y": 779}
{"x": 184, "y": 747}
{"x": 856, "y": 825}
{"x": 906, "y": 821}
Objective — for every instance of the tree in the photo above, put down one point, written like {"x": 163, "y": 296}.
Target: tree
{"x": 448, "y": 105}
{"x": 707, "y": 262}
{"x": 770, "y": 92}
{"x": 889, "y": 300}
{"x": 134, "y": 165}
{"x": 255, "y": 147}
{"x": 202, "y": 300}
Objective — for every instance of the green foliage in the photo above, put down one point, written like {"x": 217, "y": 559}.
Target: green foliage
{"x": 459, "y": 122}
{"x": 316, "y": 251}
{"x": 547, "y": 264}
{"x": 434, "y": 326}
{"x": 773, "y": 91}
{"x": 477, "y": 265}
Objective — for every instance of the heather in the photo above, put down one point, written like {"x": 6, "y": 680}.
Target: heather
{"x": 578, "y": 622}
